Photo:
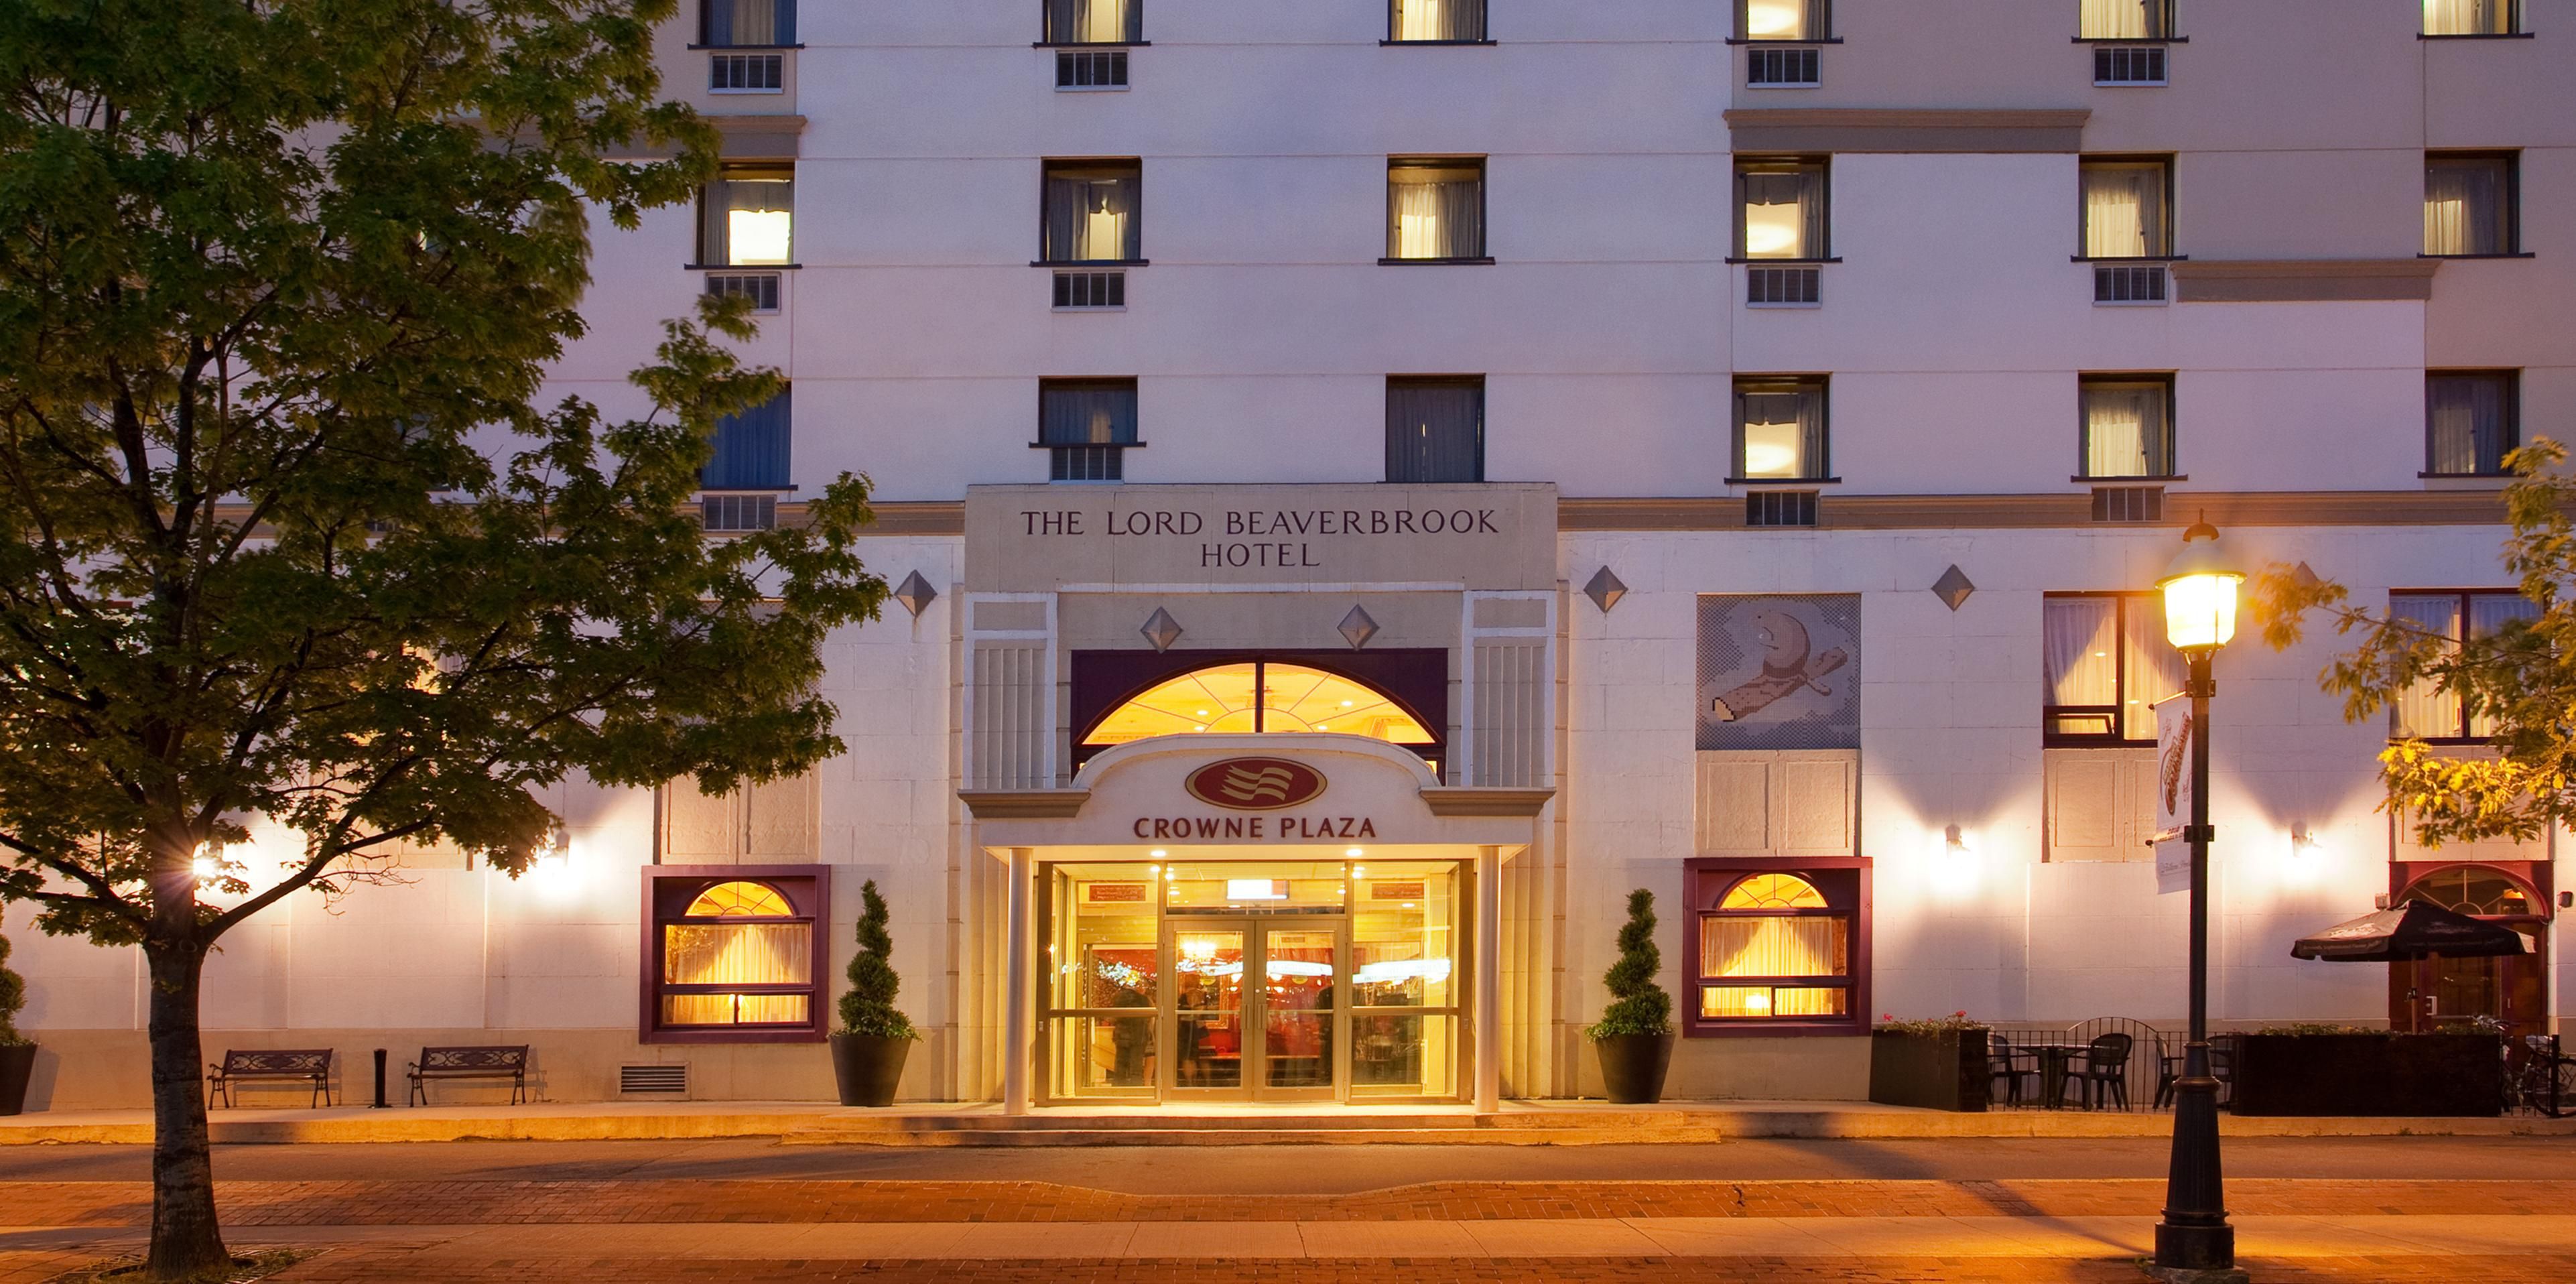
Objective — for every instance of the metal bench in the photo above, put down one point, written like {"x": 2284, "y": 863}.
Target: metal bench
{"x": 496, "y": 1062}
{"x": 294, "y": 1065}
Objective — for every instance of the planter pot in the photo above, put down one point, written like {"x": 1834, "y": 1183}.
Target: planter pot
{"x": 17, "y": 1064}
{"x": 1945, "y": 1071}
{"x": 868, "y": 1067}
{"x": 2448, "y": 1075}
{"x": 1633, "y": 1066}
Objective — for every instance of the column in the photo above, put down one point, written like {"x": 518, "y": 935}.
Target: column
{"x": 1489, "y": 979}
{"x": 1017, "y": 1024}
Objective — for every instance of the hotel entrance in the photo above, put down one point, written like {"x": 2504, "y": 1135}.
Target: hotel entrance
{"x": 1214, "y": 980}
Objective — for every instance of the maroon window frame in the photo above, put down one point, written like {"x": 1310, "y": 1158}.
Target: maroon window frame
{"x": 1415, "y": 678}
{"x": 1844, "y": 883}
{"x": 668, "y": 889}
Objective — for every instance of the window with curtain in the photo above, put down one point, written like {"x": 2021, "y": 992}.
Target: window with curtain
{"x": 2104, "y": 665}
{"x": 1780, "y": 430}
{"x": 735, "y": 954}
{"x": 2469, "y": 205}
{"x": 746, "y": 24}
{"x": 746, "y": 218}
{"x": 1095, "y": 22}
{"x": 1795, "y": 21}
{"x": 1435, "y": 21}
{"x": 1435, "y": 210}
{"x": 1775, "y": 945}
{"x": 2426, "y": 711}
{"x": 1435, "y": 429}
{"x": 2127, "y": 426}
{"x": 751, "y": 447}
{"x": 2126, "y": 209}
{"x": 2471, "y": 17}
{"x": 1086, "y": 426}
{"x": 1780, "y": 209}
{"x": 2124, "y": 19}
{"x": 2470, "y": 422}
{"x": 1093, "y": 211}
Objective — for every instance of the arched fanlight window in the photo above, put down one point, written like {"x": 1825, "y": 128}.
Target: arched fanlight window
{"x": 1773, "y": 892}
{"x": 2476, "y": 890}
{"x": 740, "y": 900}
{"x": 1265, "y": 696}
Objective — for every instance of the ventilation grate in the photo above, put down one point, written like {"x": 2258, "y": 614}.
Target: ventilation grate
{"x": 738, "y": 512}
{"x": 2129, "y": 283}
{"x": 1087, "y": 463}
{"x": 746, "y": 73}
{"x": 1780, "y": 508}
{"x": 2128, "y": 503}
{"x": 759, "y": 287}
{"x": 1782, "y": 287}
{"x": 2128, "y": 64}
{"x": 1091, "y": 69}
{"x": 1090, "y": 291}
{"x": 1781, "y": 68}
{"x": 653, "y": 1078}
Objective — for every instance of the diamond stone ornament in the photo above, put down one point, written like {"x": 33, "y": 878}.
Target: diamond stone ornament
{"x": 1358, "y": 627}
{"x": 1605, "y": 589}
{"x": 2305, "y": 576}
{"x": 1953, "y": 588}
{"x": 915, "y": 593}
{"x": 1161, "y": 629}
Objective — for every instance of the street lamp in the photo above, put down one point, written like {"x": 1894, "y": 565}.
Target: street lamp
{"x": 2194, "y": 1241}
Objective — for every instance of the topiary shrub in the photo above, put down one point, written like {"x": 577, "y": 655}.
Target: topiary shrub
{"x": 13, "y": 996}
{"x": 1638, "y": 1005}
{"x": 869, "y": 1008}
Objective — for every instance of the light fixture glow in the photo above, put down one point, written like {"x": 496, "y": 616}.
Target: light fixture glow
{"x": 1158, "y": 853}
{"x": 757, "y": 236}
{"x": 1256, "y": 889}
{"x": 2200, "y": 588}
{"x": 1352, "y": 851}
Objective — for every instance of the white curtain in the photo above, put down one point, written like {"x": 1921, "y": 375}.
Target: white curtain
{"x": 2118, "y": 20}
{"x": 2425, "y": 710}
{"x": 1748, "y": 946}
{"x": 1439, "y": 19}
{"x": 2155, "y": 668}
{"x": 2124, "y": 211}
{"x": 1782, "y": 432}
{"x": 2124, "y": 431}
{"x": 736, "y": 954}
{"x": 2077, "y": 635}
{"x": 1435, "y": 212}
{"x": 2465, "y": 424}
{"x": 2464, "y": 207}
{"x": 1091, "y": 216}
{"x": 2468, "y": 17}
{"x": 1783, "y": 213}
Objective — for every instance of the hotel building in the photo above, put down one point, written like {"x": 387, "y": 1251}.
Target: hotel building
{"x": 1374, "y": 481}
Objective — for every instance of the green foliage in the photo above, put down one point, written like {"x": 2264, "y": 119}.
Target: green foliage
{"x": 2520, "y": 678}
{"x": 13, "y": 999}
{"x": 1931, "y": 1027}
{"x": 868, "y": 1007}
{"x": 1638, "y": 1005}
{"x": 2316, "y": 1027}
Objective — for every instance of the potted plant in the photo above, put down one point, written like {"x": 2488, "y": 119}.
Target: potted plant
{"x": 1635, "y": 1033}
{"x": 1939, "y": 1063}
{"x": 869, "y": 1049}
{"x": 17, "y": 1051}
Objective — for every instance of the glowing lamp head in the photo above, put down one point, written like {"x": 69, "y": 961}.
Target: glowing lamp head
{"x": 2200, "y": 590}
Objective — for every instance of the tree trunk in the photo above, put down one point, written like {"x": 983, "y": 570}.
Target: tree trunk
{"x": 187, "y": 1242}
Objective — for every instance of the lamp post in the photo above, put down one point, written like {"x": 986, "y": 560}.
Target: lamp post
{"x": 2194, "y": 1241}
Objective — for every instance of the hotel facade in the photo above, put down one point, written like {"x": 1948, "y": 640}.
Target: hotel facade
{"x": 1372, "y": 483}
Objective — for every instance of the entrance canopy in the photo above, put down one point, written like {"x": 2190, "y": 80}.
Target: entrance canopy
{"x": 2414, "y": 930}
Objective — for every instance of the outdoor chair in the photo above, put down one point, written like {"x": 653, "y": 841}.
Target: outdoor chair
{"x": 2105, "y": 1070}
{"x": 2004, "y": 1066}
{"x": 2222, "y": 1067}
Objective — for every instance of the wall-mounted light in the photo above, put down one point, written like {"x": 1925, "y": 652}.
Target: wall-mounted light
{"x": 1952, "y": 839}
{"x": 2303, "y": 840}
{"x": 202, "y": 863}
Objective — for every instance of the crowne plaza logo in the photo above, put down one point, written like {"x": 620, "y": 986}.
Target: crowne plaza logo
{"x": 1255, "y": 784}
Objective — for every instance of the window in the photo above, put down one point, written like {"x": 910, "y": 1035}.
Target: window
{"x": 1435, "y": 211}
{"x": 2470, "y": 422}
{"x": 746, "y": 218}
{"x": 1410, "y": 22}
{"x": 1398, "y": 695}
{"x": 2427, "y": 712}
{"x": 751, "y": 448}
{"x": 2128, "y": 425}
{"x": 1095, "y": 22}
{"x": 2127, "y": 209}
{"x": 2105, "y": 663}
{"x": 1093, "y": 212}
{"x": 1776, "y": 949}
{"x": 2470, "y": 205}
{"x": 1086, "y": 426}
{"x": 2472, "y": 17}
{"x": 735, "y": 953}
{"x": 747, "y": 24}
{"x": 1435, "y": 429}
{"x": 1780, "y": 209}
{"x": 1780, "y": 430}
{"x": 2124, "y": 19}
{"x": 1789, "y": 20}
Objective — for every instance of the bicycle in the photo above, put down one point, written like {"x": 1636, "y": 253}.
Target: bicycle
{"x": 2546, "y": 1083}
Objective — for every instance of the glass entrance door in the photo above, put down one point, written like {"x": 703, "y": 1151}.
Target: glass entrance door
{"x": 1272, "y": 1037}
{"x": 1301, "y": 982}
{"x": 1208, "y": 1050}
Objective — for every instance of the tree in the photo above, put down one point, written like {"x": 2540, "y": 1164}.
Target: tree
{"x": 2519, "y": 678}
{"x": 280, "y": 283}
{"x": 1638, "y": 1005}
{"x": 867, "y": 1007}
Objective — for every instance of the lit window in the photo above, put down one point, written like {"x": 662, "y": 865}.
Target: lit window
{"x": 1095, "y": 22}
{"x": 1435, "y": 210}
{"x": 2469, "y": 205}
{"x": 1774, "y": 945}
{"x": 2425, "y": 710}
{"x": 1789, "y": 20}
{"x": 747, "y": 24}
{"x": 1260, "y": 696}
{"x": 1780, "y": 430}
{"x": 2127, "y": 209}
{"x": 735, "y": 957}
{"x": 2105, "y": 664}
{"x": 1093, "y": 212}
{"x": 1435, "y": 21}
{"x": 2471, "y": 17}
{"x": 2124, "y": 19}
{"x": 2127, "y": 425}
{"x": 747, "y": 217}
{"x": 1780, "y": 209}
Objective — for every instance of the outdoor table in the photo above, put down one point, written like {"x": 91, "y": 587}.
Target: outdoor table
{"x": 2053, "y": 1058}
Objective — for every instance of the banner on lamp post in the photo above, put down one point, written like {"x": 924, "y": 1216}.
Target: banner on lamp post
{"x": 2174, "y": 732}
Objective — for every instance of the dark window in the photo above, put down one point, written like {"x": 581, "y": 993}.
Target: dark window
{"x": 1780, "y": 209}
{"x": 1790, "y": 20}
{"x": 1095, "y": 22}
{"x": 746, "y": 24}
{"x": 751, "y": 447}
{"x": 1434, "y": 21}
{"x": 1435, "y": 209}
{"x": 1093, "y": 212}
{"x": 746, "y": 218}
{"x": 735, "y": 954}
{"x": 2127, "y": 428}
{"x": 1774, "y": 948}
{"x": 2124, "y": 19}
{"x": 2472, "y": 17}
{"x": 2127, "y": 209}
{"x": 2105, "y": 664}
{"x": 2470, "y": 205}
{"x": 2471, "y": 422}
{"x": 1086, "y": 426}
{"x": 1435, "y": 429}
{"x": 2425, "y": 710}
{"x": 1780, "y": 430}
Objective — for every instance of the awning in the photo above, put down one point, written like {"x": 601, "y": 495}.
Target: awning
{"x": 2413, "y": 930}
